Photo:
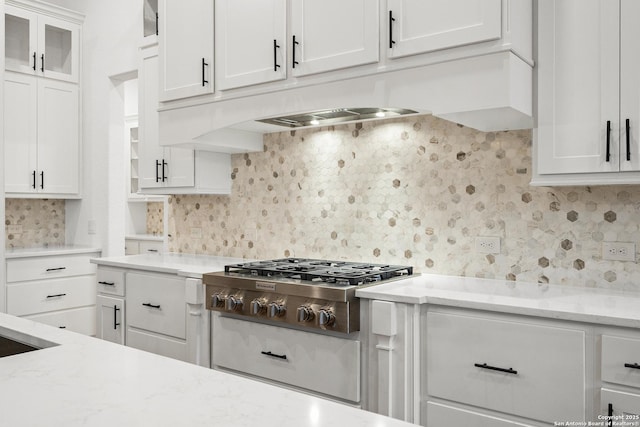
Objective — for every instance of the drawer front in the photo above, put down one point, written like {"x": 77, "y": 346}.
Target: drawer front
{"x": 150, "y": 247}
{"x": 110, "y": 281}
{"x": 81, "y": 320}
{"x": 131, "y": 247}
{"x": 315, "y": 362}
{"x": 164, "y": 346}
{"x": 537, "y": 360}
{"x": 621, "y": 360}
{"x": 38, "y": 268}
{"x": 620, "y": 404}
{"x": 156, "y": 303}
{"x": 51, "y": 295}
{"x": 439, "y": 415}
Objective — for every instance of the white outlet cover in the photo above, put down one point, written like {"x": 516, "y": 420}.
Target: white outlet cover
{"x": 619, "y": 251}
{"x": 488, "y": 244}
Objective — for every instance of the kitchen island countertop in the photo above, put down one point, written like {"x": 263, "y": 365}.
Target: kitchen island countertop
{"x": 85, "y": 381}
{"x": 582, "y": 304}
{"x": 186, "y": 265}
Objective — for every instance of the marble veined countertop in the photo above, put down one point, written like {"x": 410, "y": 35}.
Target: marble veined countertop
{"x": 591, "y": 305}
{"x": 173, "y": 263}
{"x": 85, "y": 381}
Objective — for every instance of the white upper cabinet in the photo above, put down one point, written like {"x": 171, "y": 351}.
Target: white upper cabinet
{"x": 185, "y": 35}
{"x": 41, "y": 134}
{"x": 333, "y": 34}
{"x": 588, "y": 92}
{"x": 419, "y": 26}
{"x": 41, "y": 45}
{"x": 251, "y": 45}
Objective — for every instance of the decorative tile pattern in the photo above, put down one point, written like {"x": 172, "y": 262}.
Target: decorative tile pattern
{"x": 33, "y": 223}
{"x": 413, "y": 191}
{"x": 155, "y": 218}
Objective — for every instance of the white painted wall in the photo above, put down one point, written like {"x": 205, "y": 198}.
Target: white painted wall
{"x": 112, "y": 32}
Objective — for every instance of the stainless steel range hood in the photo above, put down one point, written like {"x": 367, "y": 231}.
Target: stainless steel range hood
{"x": 489, "y": 93}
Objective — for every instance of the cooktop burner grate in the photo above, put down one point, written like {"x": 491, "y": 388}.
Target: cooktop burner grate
{"x": 316, "y": 270}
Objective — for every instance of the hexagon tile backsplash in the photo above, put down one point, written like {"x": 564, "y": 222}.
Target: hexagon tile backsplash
{"x": 34, "y": 222}
{"x": 412, "y": 191}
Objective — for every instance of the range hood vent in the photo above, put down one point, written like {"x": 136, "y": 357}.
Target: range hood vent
{"x": 340, "y": 115}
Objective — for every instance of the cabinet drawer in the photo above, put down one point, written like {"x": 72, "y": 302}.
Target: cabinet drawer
{"x": 316, "y": 362}
{"x": 110, "y": 281}
{"x": 50, "y": 295}
{"x": 463, "y": 349}
{"x": 164, "y": 346}
{"x": 150, "y": 247}
{"x": 81, "y": 320}
{"x": 624, "y": 405}
{"x": 39, "y": 268}
{"x": 131, "y": 247}
{"x": 616, "y": 353}
{"x": 156, "y": 303}
{"x": 439, "y": 415}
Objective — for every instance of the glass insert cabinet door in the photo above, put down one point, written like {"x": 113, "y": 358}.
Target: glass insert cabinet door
{"x": 41, "y": 45}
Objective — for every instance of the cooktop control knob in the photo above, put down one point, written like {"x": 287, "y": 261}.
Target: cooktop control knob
{"x": 218, "y": 300}
{"x": 305, "y": 313}
{"x": 276, "y": 309}
{"x": 234, "y": 303}
{"x": 258, "y": 306}
{"x": 326, "y": 317}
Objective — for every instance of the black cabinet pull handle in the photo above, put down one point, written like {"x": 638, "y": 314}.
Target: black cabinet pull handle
{"x": 34, "y": 179}
{"x": 275, "y": 55}
{"x": 152, "y": 250}
{"x": 204, "y": 64}
{"x": 608, "y": 155}
{"x": 107, "y": 283}
{"x": 632, "y": 365}
{"x": 115, "y": 312}
{"x": 34, "y": 61}
{"x": 278, "y": 356}
{"x": 157, "y": 173}
{"x": 146, "y": 304}
{"x": 628, "y": 126}
{"x": 157, "y": 20}
{"x": 610, "y": 414}
{"x": 293, "y": 59}
{"x": 56, "y": 269}
{"x": 62, "y": 327}
{"x": 56, "y": 295}
{"x": 42, "y": 180}
{"x": 391, "y": 21}
{"x": 165, "y": 165}
{"x": 494, "y": 368}
{"x": 42, "y": 62}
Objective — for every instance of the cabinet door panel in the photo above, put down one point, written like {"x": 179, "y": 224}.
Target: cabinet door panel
{"x": 21, "y": 39}
{"x": 578, "y": 84}
{"x": 629, "y": 85}
{"x": 180, "y": 167}
{"x": 352, "y": 40}
{"x": 424, "y": 26}
{"x": 439, "y": 415}
{"x": 625, "y": 405}
{"x": 80, "y": 320}
{"x": 58, "y": 137}
{"x": 149, "y": 151}
{"x": 58, "y": 43}
{"x": 245, "y": 34}
{"x": 20, "y": 132}
{"x": 110, "y": 319}
{"x": 186, "y": 40}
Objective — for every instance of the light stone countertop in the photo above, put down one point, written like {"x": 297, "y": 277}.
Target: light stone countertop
{"x": 49, "y": 251}
{"x": 579, "y": 304}
{"x": 145, "y": 237}
{"x": 85, "y": 381}
{"x": 186, "y": 265}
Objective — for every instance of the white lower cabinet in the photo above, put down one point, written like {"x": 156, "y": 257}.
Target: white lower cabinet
{"x": 315, "y": 362}
{"x": 620, "y": 374}
{"x": 59, "y": 290}
{"x": 439, "y": 414}
{"x": 507, "y": 365}
{"x": 156, "y": 312}
{"x": 620, "y": 406}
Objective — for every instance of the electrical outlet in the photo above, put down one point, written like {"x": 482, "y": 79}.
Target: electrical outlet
{"x": 14, "y": 229}
{"x": 487, "y": 245}
{"x": 619, "y": 251}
